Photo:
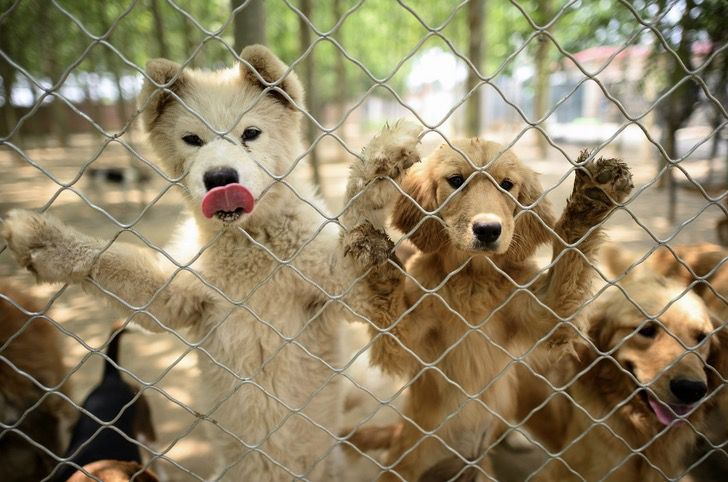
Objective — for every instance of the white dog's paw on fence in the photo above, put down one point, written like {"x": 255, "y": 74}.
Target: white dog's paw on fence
{"x": 48, "y": 248}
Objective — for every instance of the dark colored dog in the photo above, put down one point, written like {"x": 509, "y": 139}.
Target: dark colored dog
{"x": 124, "y": 415}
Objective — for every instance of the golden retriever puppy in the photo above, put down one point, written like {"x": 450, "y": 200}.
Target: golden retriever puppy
{"x": 30, "y": 359}
{"x": 472, "y": 299}
{"x": 635, "y": 399}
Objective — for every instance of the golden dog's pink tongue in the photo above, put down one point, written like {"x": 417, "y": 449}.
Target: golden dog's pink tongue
{"x": 227, "y": 198}
{"x": 663, "y": 412}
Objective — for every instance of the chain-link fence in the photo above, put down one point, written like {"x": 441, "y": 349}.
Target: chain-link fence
{"x": 284, "y": 353}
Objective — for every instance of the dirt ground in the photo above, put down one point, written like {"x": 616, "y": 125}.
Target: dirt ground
{"x": 50, "y": 175}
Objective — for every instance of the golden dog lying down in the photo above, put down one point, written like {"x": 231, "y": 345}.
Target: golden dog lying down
{"x": 637, "y": 397}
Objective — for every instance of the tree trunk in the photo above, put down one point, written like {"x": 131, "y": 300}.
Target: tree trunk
{"x": 476, "y": 15}
{"x": 542, "y": 73}
{"x": 340, "y": 71}
{"x": 726, "y": 165}
{"x": 677, "y": 108}
{"x": 249, "y": 23}
{"x": 113, "y": 66}
{"x": 159, "y": 29}
{"x": 52, "y": 70}
{"x": 59, "y": 121}
{"x": 668, "y": 143}
{"x": 309, "y": 67}
{"x": 94, "y": 107}
{"x": 8, "y": 119}
{"x": 189, "y": 42}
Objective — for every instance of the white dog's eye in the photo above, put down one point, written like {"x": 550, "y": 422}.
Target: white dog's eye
{"x": 455, "y": 181}
{"x": 192, "y": 140}
{"x": 250, "y": 134}
{"x": 506, "y": 184}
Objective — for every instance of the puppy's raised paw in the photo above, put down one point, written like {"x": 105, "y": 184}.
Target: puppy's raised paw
{"x": 367, "y": 245}
{"x": 47, "y": 248}
{"x": 603, "y": 181}
{"x": 392, "y": 151}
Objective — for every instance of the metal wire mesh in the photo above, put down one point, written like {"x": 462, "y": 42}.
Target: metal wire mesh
{"x": 476, "y": 459}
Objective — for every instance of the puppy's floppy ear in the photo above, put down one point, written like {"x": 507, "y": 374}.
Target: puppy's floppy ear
{"x": 597, "y": 331}
{"x": 531, "y": 225}
{"x": 430, "y": 235}
{"x": 272, "y": 70}
{"x": 155, "y": 99}
{"x": 718, "y": 360}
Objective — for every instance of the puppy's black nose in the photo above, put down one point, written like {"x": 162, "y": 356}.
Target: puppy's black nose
{"x": 220, "y": 176}
{"x": 688, "y": 391}
{"x": 487, "y": 232}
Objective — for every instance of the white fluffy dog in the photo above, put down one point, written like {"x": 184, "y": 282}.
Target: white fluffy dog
{"x": 257, "y": 275}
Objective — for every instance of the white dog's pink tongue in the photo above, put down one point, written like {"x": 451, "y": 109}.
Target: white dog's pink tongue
{"x": 227, "y": 198}
{"x": 663, "y": 412}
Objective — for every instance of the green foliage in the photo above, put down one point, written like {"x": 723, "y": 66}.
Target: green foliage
{"x": 376, "y": 34}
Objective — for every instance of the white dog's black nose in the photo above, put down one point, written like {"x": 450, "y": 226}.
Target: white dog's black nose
{"x": 219, "y": 176}
{"x": 688, "y": 391}
{"x": 487, "y": 232}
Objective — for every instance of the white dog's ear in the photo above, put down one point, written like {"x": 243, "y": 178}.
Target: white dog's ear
{"x": 273, "y": 71}
{"x": 161, "y": 74}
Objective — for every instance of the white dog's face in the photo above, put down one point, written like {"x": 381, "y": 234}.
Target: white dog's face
{"x": 231, "y": 140}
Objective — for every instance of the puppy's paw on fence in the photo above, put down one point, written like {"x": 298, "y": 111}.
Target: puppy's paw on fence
{"x": 600, "y": 177}
{"x": 367, "y": 245}
{"x": 47, "y": 248}
{"x": 392, "y": 151}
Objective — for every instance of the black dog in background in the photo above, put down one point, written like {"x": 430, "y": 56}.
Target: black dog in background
{"x": 112, "y": 402}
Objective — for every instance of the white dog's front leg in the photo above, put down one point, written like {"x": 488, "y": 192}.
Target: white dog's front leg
{"x": 56, "y": 253}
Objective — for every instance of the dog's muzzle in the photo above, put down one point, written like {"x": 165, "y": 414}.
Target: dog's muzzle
{"x": 486, "y": 234}
{"x": 226, "y": 198}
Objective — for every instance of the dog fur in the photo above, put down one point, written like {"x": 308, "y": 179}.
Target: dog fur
{"x": 32, "y": 354}
{"x": 611, "y": 414}
{"x": 113, "y": 471}
{"x": 703, "y": 267}
{"x": 255, "y": 292}
{"x": 461, "y": 379}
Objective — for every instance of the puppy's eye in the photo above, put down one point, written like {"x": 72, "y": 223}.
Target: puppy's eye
{"x": 455, "y": 181}
{"x": 506, "y": 184}
{"x": 649, "y": 330}
{"x": 701, "y": 337}
{"x": 250, "y": 134}
{"x": 193, "y": 140}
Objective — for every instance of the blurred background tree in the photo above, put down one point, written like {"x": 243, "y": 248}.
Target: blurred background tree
{"x": 689, "y": 64}
{"x": 504, "y": 61}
